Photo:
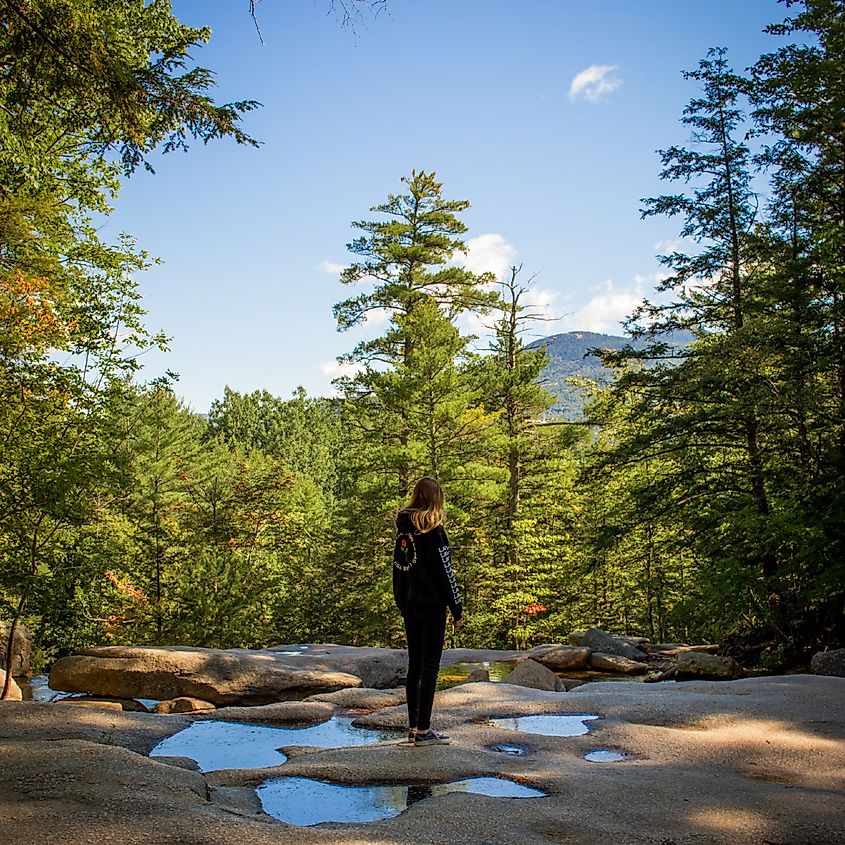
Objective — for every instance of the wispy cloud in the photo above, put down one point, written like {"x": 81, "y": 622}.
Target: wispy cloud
{"x": 594, "y": 83}
{"x": 490, "y": 253}
{"x": 332, "y": 267}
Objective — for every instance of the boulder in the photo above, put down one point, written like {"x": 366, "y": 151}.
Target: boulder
{"x": 700, "y": 666}
{"x": 576, "y": 637}
{"x": 616, "y": 663}
{"x": 362, "y": 698}
{"x": 14, "y": 693}
{"x": 282, "y": 713}
{"x": 601, "y": 641}
{"x": 665, "y": 675}
{"x": 530, "y": 673}
{"x": 565, "y": 658}
{"x": 641, "y": 643}
{"x": 674, "y": 649}
{"x": 21, "y": 648}
{"x": 829, "y": 663}
{"x": 183, "y": 704}
{"x": 536, "y": 650}
{"x": 221, "y": 677}
{"x": 384, "y": 670}
{"x": 96, "y": 703}
{"x": 477, "y": 676}
{"x": 379, "y": 668}
{"x": 127, "y": 704}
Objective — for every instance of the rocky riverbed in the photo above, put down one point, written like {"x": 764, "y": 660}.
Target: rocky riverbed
{"x": 753, "y": 760}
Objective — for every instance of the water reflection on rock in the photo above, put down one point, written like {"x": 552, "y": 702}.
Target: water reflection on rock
{"x": 456, "y": 673}
{"x": 605, "y": 755}
{"x": 304, "y": 802}
{"x": 548, "y": 724}
{"x": 233, "y": 745}
{"x": 510, "y": 748}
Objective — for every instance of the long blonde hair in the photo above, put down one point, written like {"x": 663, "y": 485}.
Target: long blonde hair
{"x": 426, "y": 507}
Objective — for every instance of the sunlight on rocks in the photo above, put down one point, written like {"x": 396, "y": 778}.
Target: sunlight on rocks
{"x": 729, "y": 820}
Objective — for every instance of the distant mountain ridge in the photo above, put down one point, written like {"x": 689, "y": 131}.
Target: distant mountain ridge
{"x": 568, "y": 357}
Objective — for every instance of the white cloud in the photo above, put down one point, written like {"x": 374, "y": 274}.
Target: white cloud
{"x": 537, "y": 302}
{"x": 378, "y": 316}
{"x": 332, "y": 267}
{"x": 542, "y": 302}
{"x": 608, "y": 309}
{"x": 489, "y": 253}
{"x": 594, "y": 83}
{"x": 686, "y": 245}
{"x": 336, "y": 369}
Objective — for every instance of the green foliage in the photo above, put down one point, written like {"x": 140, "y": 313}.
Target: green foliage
{"x": 705, "y": 502}
{"x": 731, "y": 449}
{"x": 304, "y": 432}
{"x": 88, "y": 90}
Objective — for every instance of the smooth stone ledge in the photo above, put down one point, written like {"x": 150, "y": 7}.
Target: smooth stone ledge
{"x": 777, "y": 744}
{"x": 281, "y": 713}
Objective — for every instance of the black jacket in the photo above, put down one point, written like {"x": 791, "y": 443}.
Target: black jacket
{"x": 430, "y": 583}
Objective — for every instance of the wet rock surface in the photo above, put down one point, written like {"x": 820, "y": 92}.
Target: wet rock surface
{"x": 80, "y": 775}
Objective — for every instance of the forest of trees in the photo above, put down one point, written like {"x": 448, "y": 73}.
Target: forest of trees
{"x": 704, "y": 501}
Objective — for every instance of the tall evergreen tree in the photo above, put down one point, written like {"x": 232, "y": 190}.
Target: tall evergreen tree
{"x": 398, "y": 395}
{"x": 704, "y": 404}
{"x": 799, "y": 96}
{"x": 410, "y": 405}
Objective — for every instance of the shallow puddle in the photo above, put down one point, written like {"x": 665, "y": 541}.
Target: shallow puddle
{"x": 548, "y": 724}
{"x": 234, "y": 745}
{"x": 605, "y": 755}
{"x": 450, "y": 676}
{"x": 510, "y": 748}
{"x": 305, "y": 802}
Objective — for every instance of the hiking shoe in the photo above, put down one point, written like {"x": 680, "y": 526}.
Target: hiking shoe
{"x": 431, "y": 738}
{"x": 409, "y": 742}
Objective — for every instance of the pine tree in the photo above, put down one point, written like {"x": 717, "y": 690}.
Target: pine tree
{"x": 701, "y": 417}
{"x": 410, "y": 405}
{"x": 799, "y": 96}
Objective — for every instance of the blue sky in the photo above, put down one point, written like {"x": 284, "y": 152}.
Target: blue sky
{"x": 545, "y": 114}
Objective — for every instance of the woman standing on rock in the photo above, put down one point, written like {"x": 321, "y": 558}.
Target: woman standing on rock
{"x": 424, "y": 587}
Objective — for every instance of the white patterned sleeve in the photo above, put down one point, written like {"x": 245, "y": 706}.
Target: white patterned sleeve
{"x": 448, "y": 583}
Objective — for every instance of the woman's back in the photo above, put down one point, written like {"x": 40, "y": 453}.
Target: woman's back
{"x": 429, "y": 584}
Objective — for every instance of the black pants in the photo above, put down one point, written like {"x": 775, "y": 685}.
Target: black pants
{"x": 425, "y": 630}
